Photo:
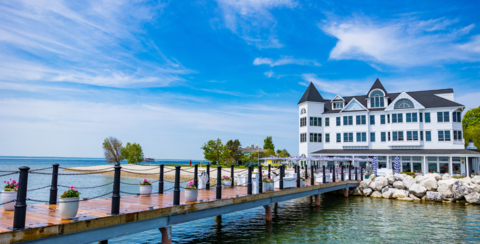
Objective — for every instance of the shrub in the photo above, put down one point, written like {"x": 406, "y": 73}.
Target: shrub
{"x": 70, "y": 193}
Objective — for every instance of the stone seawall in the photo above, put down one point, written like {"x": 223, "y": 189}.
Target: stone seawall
{"x": 433, "y": 187}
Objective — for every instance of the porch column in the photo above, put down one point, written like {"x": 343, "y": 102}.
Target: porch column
{"x": 450, "y": 166}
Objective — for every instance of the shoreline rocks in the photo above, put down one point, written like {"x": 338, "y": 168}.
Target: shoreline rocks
{"x": 432, "y": 187}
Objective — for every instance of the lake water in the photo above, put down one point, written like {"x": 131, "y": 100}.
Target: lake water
{"x": 337, "y": 220}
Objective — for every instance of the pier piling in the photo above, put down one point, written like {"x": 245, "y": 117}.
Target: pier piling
{"x": 54, "y": 186}
{"x": 160, "y": 180}
{"x": 20, "y": 214}
{"x": 345, "y": 192}
{"x": 317, "y": 200}
{"x": 176, "y": 189}
{"x": 166, "y": 235}
{"x": 116, "y": 191}
{"x": 268, "y": 213}
{"x": 219, "y": 182}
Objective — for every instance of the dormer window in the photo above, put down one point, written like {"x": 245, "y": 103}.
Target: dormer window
{"x": 404, "y": 103}
{"x": 338, "y": 105}
{"x": 377, "y": 99}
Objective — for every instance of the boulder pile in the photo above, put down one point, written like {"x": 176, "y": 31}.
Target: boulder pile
{"x": 433, "y": 187}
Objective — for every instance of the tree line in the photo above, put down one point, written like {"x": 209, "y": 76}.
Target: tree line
{"x": 471, "y": 126}
{"x": 231, "y": 152}
{"x": 114, "y": 151}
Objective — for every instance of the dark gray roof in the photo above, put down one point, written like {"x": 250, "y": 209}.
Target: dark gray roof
{"x": 311, "y": 95}
{"x": 393, "y": 152}
{"x": 427, "y": 98}
{"x": 378, "y": 85}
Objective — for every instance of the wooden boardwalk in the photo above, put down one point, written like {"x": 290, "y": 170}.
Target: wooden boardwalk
{"x": 44, "y": 221}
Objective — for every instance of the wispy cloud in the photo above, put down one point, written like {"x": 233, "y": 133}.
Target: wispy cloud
{"x": 95, "y": 42}
{"x": 284, "y": 61}
{"x": 253, "y": 21}
{"x": 400, "y": 42}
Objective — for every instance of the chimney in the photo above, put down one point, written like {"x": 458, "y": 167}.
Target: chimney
{"x": 471, "y": 145}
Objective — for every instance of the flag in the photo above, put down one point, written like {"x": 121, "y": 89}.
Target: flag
{"x": 190, "y": 162}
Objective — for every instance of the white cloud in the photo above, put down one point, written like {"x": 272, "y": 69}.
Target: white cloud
{"x": 284, "y": 61}
{"x": 269, "y": 74}
{"x": 252, "y": 20}
{"x": 400, "y": 42}
{"x": 95, "y": 42}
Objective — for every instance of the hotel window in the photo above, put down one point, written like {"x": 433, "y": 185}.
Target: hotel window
{"x": 327, "y": 137}
{"x": 303, "y": 122}
{"x": 303, "y": 137}
{"x": 382, "y": 119}
{"x": 338, "y": 121}
{"x": 412, "y": 135}
{"x": 339, "y": 137}
{"x": 457, "y": 135}
{"x": 314, "y": 121}
{"x": 428, "y": 136}
{"x": 443, "y": 135}
{"x": 383, "y": 136}
{"x": 457, "y": 117}
{"x": 456, "y": 166}
{"x": 411, "y": 117}
{"x": 397, "y": 118}
{"x": 337, "y": 105}
{"x": 421, "y": 116}
{"x": 397, "y": 136}
{"x": 347, "y": 137}
{"x": 376, "y": 99}
{"x": 327, "y": 121}
{"x": 404, "y": 103}
{"x": 361, "y": 119}
{"x": 315, "y": 137}
{"x": 347, "y": 120}
{"x": 443, "y": 117}
{"x": 372, "y": 119}
{"x": 361, "y": 136}
{"x": 372, "y": 136}
{"x": 427, "y": 117}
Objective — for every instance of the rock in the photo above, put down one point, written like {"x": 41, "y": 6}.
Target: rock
{"x": 424, "y": 198}
{"x": 408, "y": 181}
{"x": 380, "y": 182}
{"x": 398, "y": 177}
{"x": 399, "y": 185}
{"x": 376, "y": 194}
{"x": 434, "y": 175}
{"x": 477, "y": 188}
{"x": 434, "y": 196}
{"x": 419, "y": 178}
{"x": 400, "y": 194}
{"x": 372, "y": 177}
{"x": 473, "y": 198}
{"x": 446, "y": 177}
{"x": 384, "y": 189}
{"x": 445, "y": 188}
{"x": 367, "y": 191}
{"x": 413, "y": 197}
{"x": 476, "y": 180}
{"x": 391, "y": 179}
{"x": 357, "y": 192}
{"x": 417, "y": 190}
{"x": 430, "y": 183}
{"x": 459, "y": 190}
{"x": 389, "y": 193}
{"x": 365, "y": 184}
{"x": 466, "y": 180}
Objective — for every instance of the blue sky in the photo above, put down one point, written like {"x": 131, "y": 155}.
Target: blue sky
{"x": 172, "y": 75}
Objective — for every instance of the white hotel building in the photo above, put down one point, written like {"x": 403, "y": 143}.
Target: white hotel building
{"x": 422, "y": 128}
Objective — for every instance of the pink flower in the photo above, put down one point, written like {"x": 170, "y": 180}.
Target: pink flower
{"x": 71, "y": 187}
{"x": 144, "y": 179}
{"x": 64, "y": 192}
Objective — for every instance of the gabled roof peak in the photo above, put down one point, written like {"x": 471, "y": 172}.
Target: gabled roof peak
{"x": 311, "y": 95}
{"x": 377, "y": 85}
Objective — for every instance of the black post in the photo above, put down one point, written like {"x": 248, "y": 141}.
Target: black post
{"x": 324, "y": 177}
{"x": 341, "y": 172}
{"x": 160, "y": 180}
{"x": 176, "y": 187}
{"x": 232, "y": 174}
{"x": 53, "y": 188}
{"x": 356, "y": 173}
{"x": 116, "y": 191}
{"x": 361, "y": 173}
{"x": 269, "y": 170}
{"x": 295, "y": 168}
{"x": 334, "y": 172}
{"x": 219, "y": 182}
{"x": 350, "y": 172}
{"x": 306, "y": 171}
{"x": 249, "y": 181}
{"x": 298, "y": 177}
{"x": 20, "y": 213}
{"x": 312, "y": 178}
{"x": 260, "y": 187}
{"x": 282, "y": 173}
{"x": 207, "y": 186}
{"x": 195, "y": 177}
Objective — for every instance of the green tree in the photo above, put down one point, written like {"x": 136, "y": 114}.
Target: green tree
{"x": 471, "y": 126}
{"x": 112, "y": 149}
{"x": 215, "y": 151}
{"x": 133, "y": 153}
{"x": 283, "y": 153}
{"x": 235, "y": 149}
{"x": 268, "y": 143}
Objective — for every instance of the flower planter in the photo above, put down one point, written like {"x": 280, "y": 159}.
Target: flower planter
{"x": 8, "y": 196}
{"x": 145, "y": 190}
{"x": 68, "y": 207}
{"x": 302, "y": 183}
{"x": 266, "y": 186}
{"x": 272, "y": 185}
{"x": 191, "y": 195}
{"x": 227, "y": 183}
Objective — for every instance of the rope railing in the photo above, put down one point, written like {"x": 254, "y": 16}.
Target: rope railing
{"x": 88, "y": 187}
{"x": 43, "y": 187}
{"x": 76, "y": 200}
{"x": 10, "y": 174}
